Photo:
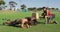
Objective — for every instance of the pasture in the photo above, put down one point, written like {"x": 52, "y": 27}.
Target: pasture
{"x": 4, "y": 15}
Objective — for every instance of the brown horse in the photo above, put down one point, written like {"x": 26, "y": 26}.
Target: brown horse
{"x": 25, "y": 21}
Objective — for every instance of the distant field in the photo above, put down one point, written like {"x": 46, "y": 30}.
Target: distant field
{"x": 39, "y": 28}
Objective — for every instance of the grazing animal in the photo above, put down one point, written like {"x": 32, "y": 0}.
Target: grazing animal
{"x": 25, "y": 21}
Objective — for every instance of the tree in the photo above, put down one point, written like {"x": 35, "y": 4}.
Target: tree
{"x": 12, "y": 5}
{"x": 57, "y": 8}
{"x": 32, "y": 9}
{"x": 39, "y": 9}
{"x": 53, "y": 8}
{"x": 23, "y": 6}
{"x": 2, "y": 4}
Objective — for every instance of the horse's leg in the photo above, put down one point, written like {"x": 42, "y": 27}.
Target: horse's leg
{"x": 22, "y": 24}
{"x": 46, "y": 19}
{"x": 35, "y": 21}
{"x": 27, "y": 25}
{"x": 6, "y": 23}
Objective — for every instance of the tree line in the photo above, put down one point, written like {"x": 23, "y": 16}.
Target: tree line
{"x": 13, "y": 4}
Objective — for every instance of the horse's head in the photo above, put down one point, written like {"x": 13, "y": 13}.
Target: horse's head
{"x": 19, "y": 20}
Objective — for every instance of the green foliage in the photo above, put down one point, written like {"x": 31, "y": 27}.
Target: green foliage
{"x": 12, "y": 4}
{"x": 2, "y": 2}
{"x": 32, "y": 9}
{"x": 23, "y": 6}
{"x": 39, "y": 9}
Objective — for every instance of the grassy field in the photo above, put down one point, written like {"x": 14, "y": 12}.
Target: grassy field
{"x": 39, "y": 28}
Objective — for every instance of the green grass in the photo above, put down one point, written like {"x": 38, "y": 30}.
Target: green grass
{"x": 38, "y": 28}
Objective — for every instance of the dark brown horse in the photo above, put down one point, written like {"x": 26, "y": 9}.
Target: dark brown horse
{"x": 25, "y": 21}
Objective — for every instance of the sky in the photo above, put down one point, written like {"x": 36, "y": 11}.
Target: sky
{"x": 36, "y": 3}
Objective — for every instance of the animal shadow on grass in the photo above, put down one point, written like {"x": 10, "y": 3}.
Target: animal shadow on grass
{"x": 40, "y": 22}
{"x": 18, "y": 26}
